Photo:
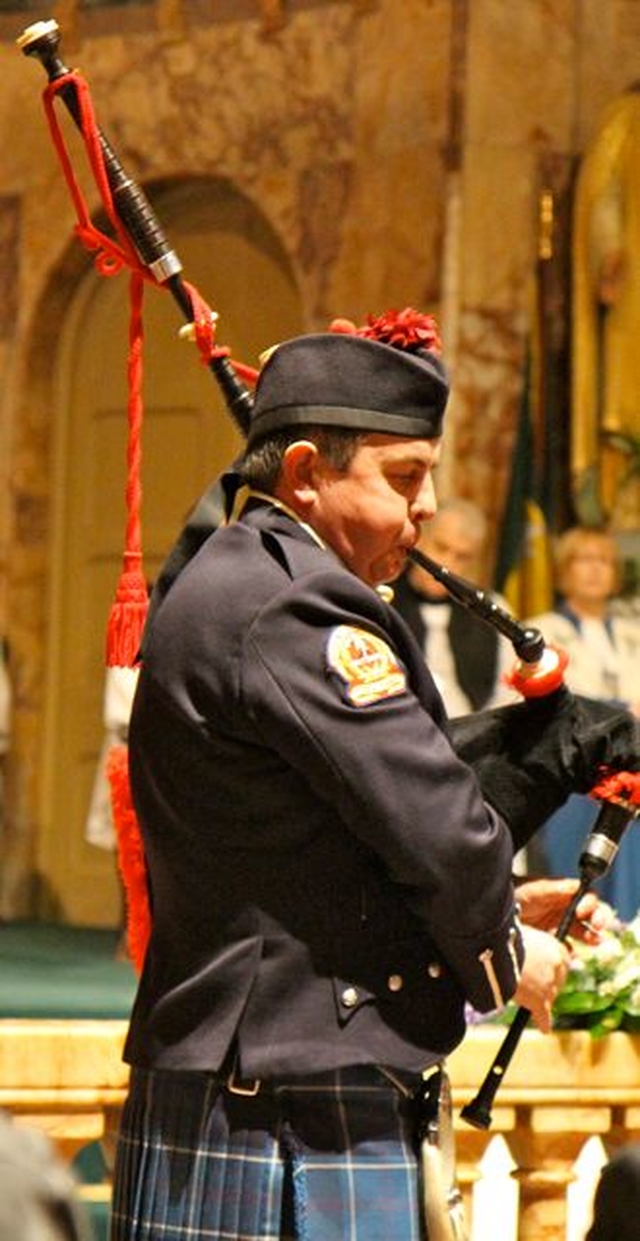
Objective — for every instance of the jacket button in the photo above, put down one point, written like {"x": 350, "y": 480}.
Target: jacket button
{"x": 395, "y": 982}
{"x": 434, "y": 969}
{"x": 349, "y": 997}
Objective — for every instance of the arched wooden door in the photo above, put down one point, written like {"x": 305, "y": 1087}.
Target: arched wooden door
{"x": 231, "y": 254}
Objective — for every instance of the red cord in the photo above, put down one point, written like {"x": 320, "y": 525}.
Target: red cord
{"x": 112, "y": 255}
{"x": 204, "y": 328}
{"x": 129, "y": 609}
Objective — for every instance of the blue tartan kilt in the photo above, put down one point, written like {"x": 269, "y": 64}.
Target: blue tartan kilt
{"x": 325, "y": 1158}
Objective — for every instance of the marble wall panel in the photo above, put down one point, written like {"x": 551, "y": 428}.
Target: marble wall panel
{"x": 402, "y": 76}
{"x": 484, "y": 405}
{"x": 520, "y": 72}
{"x": 9, "y": 262}
{"x": 391, "y": 237}
{"x": 499, "y": 214}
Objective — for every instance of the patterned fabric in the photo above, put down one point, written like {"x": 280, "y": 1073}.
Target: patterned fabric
{"x": 327, "y": 1158}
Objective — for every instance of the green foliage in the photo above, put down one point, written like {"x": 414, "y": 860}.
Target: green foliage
{"x": 602, "y": 989}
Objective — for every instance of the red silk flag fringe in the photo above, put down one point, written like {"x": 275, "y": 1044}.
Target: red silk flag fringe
{"x": 130, "y": 853}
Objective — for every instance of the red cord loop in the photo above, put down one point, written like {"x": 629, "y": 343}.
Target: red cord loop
{"x": 112, "y": 254}
{"x": 204, "y": 327}
{"x": 129, "y": 609}
{"x": 109, "y": 260}
{"x": 87, "y": 231}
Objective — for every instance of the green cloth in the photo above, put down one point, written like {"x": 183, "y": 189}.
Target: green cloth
{"x": 48, "y": 970}
{"x": 90, "y": 1168}
{"x": 53, "y": 971}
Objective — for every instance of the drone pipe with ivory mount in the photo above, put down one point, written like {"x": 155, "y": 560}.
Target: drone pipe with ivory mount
{"x": 135, "y": 213}
{"x": 619, "y": 795}
{"x": 540, "y": 668}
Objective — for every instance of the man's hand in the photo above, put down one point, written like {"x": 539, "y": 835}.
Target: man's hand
{"x": 545, "y": 968}
{"x": 543, "y": 903}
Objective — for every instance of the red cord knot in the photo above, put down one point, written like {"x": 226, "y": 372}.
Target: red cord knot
{"x": 622, "y": 787}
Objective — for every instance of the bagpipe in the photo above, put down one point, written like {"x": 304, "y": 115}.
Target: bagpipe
{"x": 143, "y": 245}
{"x": 137, "y": 243}
{"x": 620, "y": 805}
{"x": 508, "y": 747}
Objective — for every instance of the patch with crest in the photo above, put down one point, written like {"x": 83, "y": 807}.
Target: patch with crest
{"x": 366, "y": 664}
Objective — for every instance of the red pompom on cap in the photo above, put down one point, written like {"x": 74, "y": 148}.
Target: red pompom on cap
{"x": 404, "y": 329}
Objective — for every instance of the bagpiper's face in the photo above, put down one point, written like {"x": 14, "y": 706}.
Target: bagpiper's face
{"x": 371, "y": 513}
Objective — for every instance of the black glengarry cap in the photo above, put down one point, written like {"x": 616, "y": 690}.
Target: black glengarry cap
{"x": 378, "y": 379}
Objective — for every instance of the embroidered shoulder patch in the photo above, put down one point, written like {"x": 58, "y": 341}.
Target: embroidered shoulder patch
{"x": 366, "y": 664}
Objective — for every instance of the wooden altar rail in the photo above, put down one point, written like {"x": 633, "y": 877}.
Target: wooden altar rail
{"x": 565, "y": 1102}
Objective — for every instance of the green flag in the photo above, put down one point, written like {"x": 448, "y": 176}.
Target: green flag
{"x": 523, "y": 569}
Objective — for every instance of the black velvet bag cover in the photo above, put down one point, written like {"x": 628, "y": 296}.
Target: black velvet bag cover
{"x": 530, "y": 756}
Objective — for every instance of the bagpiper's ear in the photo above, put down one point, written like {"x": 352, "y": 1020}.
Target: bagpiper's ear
{"x": 299, "y": 468}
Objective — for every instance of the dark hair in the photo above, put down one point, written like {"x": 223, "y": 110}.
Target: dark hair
{"x": 260, "y": 467}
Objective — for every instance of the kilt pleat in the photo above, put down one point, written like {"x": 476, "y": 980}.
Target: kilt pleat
{"x": 328, "y": 1158}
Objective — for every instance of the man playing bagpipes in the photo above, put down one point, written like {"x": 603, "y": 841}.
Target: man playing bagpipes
{"x": 327, "y": 858}
{"x": 329, "y": 886}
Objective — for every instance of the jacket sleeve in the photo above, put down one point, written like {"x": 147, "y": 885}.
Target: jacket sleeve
{"x": 381, "y": 759}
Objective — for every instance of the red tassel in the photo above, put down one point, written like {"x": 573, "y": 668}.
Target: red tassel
{"x": 127, "y": 619}
{"x": 129, "y": 610}
{"x": 131, "y": 860}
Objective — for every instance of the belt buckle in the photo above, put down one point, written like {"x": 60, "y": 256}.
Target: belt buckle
{"x": 248, "y": 1089}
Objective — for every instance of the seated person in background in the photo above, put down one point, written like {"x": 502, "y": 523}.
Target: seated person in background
{"x": 467, "y": 658}
{"x": 604, "y": 663}
{"x": 616, "y": 1206}
{"x": 603, "y": 645}
{"x": 38, "y": 1199}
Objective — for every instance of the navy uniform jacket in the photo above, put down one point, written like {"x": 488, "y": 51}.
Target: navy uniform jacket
{"x": 327, "y": 884}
